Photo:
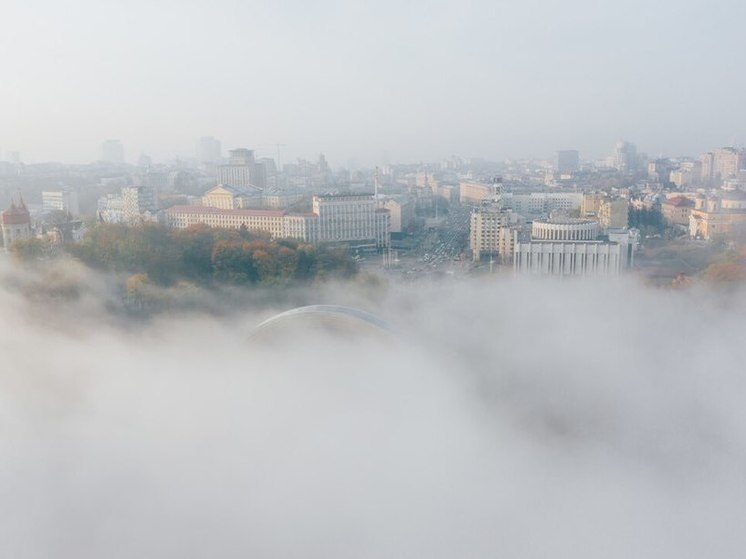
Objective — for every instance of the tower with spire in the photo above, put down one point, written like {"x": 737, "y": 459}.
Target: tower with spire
{"x": 16, "y": 223}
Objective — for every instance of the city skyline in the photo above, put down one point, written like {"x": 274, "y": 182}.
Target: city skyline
{"x": 370, "y": 84}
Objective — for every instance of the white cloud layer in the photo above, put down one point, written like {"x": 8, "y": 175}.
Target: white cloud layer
{"x": 508, "y": 420}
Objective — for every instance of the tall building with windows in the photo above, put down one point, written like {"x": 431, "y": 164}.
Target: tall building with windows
{"x": 352, "y": 217}
{"x": 491, "y": 231}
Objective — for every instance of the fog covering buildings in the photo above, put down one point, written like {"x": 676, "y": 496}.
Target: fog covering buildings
{"x": 495, "y": 432}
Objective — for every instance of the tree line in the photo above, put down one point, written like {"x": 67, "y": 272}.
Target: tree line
{"x": 203, "y": 255}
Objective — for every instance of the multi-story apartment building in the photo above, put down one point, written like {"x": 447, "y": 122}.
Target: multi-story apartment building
{"x": 727, "y": 162}
{"x": 492, "y": 232}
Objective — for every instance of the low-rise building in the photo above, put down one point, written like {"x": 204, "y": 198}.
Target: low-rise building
{"x": 15, "y": 223}
{"x": 676, "y": 210}
{"x": 721, "y": 216}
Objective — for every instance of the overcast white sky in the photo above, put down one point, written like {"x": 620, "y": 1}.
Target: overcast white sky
{"x": 407, "y": 80}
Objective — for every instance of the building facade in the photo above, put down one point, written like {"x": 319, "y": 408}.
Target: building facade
{"x": 60, "y": 200}
{"x": 491, "y": 232}
{"x": 16, "y": 224}
{"x": 568, "y": 258}
{"x": 351, "y": 219}
{"x": 564, "y": 229}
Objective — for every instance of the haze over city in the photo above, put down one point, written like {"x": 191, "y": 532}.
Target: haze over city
{"x": 347, "y": 279}
{"x": 370, "y": 82}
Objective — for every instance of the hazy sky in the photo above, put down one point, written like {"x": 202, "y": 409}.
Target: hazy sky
{"x": 364, "y": 80}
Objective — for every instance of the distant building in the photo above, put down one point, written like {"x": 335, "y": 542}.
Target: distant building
{"x": 227, "y": 197}
{"x": 491, "y": 231}
{"x": 564, "y": 229}
{"x": 676, "y": 210}
{"x": 138, "y": 202}
{"x": 718, "y": 216}
{"x": 568, "y": 161}
{"x": 542, "y": 204}
{"x": 568, "y": 258}
{"x": 60, "y": 200}
{"x": 242, "y": 170}
{"x": 271, "y": 221}
{"x": 613, "y": 213}
{"x": 402, "y": 213}
{"x": 351, "y": 219}
{"x": 110, "y": 209}
{"x": 591, "y": 203}
{"x": 569, "y": 247}
{"x": 112, "y": 151}
{"x": 16, "y": 223}
{"x": 707, "y": 162}
{"x": 727, "y": 162}
{"x": 625, "y": 157}
{"x": 474, "y": 192}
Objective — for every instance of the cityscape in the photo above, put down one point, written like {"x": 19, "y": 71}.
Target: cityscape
{"x": 563, "y": 216}
{"x": 352, "y": 279}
